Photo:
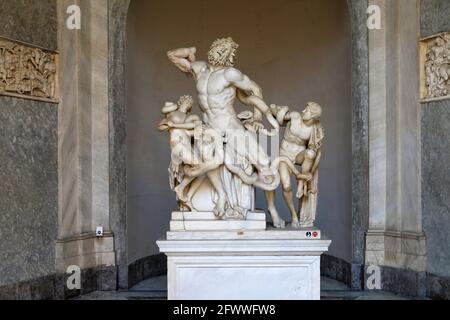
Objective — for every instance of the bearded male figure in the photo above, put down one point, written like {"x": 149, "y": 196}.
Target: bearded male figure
{"x": 218, "y": 83}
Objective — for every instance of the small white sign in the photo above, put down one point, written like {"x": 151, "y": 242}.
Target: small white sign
{"x": 99, "y": 232}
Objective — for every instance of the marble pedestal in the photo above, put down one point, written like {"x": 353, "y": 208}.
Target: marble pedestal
{"x": 206, "y": 221}
{"x": 244, "y": 264}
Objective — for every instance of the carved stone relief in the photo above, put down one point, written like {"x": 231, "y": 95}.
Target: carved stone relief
{"x": 435, "y": 67}
{"x": 28, "y": 72}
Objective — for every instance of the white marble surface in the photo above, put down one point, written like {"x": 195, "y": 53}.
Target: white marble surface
{"x": 207, "y": 221}
{"x": 378, "y": 126}
{"x": 280, "y": 234}
{"x": 270, "y": 269}
{"x": 197, "y": 225}
{"x": 244, "y": 278}
{"x": 199, "y": 216}
{"x": 84, "y": 138}
{"x": 394, "y": 133}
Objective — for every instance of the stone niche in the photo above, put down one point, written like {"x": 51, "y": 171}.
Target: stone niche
{"x": 435, "y": 67}
{"x": 28, "y": 72}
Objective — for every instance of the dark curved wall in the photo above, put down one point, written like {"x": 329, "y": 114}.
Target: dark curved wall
{"x": 297, "y": 51}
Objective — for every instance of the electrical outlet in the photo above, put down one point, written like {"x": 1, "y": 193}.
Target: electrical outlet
{"x": 99, "y": 232}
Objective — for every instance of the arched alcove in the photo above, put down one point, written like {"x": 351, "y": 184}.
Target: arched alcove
{"x": 296, "y": 51}
{"x": 348, "y": 270}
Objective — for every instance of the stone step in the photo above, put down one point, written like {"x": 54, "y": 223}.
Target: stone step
{"x": 216, "y": 225}
{"x": 205, "y": 216}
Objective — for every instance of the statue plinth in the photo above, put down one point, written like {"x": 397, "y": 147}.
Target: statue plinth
{"x": 272, "y": 264}
{"x": 206, "y": 221}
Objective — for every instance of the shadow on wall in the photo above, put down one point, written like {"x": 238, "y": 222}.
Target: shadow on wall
{"x": 297, "y": 51}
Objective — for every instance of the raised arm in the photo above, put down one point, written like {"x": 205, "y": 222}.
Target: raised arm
{"x": 250, "y": 94}
{"x": 183, "y": 58}
{"x": 293, "y": 115}
{"x": 190, "y": 123}
{"x": 245, "y": 86}
{"x": 283, "y": 114}
{"x": 185, "y": 126}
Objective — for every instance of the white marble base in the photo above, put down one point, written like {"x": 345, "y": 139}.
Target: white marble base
{"x": 269, "y": 267}
{"x": 280, "y": 234}
{"x": 206, "y": 221}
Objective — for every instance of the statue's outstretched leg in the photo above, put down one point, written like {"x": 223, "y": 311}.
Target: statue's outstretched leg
{"x": 277, "y": 221}
{"x": 193, "y": 188}
{"x": 214, "y": 178}
{"x": 179, "y": 189}
{"x": 287, "y": 193}
{"x": 306, "y": 160}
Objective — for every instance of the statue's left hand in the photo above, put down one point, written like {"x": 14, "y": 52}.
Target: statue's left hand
{"x": 273, "y": 109}
{"x": 305, "y": 176}
{"x": 258, "y": 126}
{"x": 191, "y": 55}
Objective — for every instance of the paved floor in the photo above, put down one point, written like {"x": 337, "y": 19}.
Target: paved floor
{"x": 156, "y": 289}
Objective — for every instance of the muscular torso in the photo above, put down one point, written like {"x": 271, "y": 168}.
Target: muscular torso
{"x": 296, "y": 137}
{"x": 216, "y": 98}
{"x": 179, "y": 135}
{"x": 297, "y": 131}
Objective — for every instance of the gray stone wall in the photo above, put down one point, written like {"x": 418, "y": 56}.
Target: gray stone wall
{"x": 434, "y": 17}
{"x": 436, "y": 155}
{"x": 436, "y": 185}
{"x": 28, "y": 157}
{"x": 360, "y": 134}
{"x": 118, "y": 10}
{"x": 30, "y": 21}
